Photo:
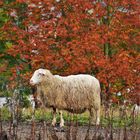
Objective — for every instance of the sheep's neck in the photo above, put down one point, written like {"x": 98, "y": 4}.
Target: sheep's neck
{"x": 47, "y": 89}
{"x": 50, "y": 83}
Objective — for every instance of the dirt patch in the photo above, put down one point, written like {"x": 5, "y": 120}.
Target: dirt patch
{"x": 43, "y": 131}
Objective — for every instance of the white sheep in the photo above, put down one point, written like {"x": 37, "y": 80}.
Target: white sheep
{"x": 3, "y": 101}
{"x": 32, "y": 101}
{"x": 136, "y": 109}
{"x": 74, "y": 93}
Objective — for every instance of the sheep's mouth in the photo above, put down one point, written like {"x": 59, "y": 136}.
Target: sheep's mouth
{"x": 33, "y": 84}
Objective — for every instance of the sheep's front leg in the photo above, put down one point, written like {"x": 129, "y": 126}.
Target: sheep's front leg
{"x": 54, "y": 117}
{"x": 61, "y": 119}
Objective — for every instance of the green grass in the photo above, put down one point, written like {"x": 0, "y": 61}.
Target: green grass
{"x": 116, "y": 122}
{"x": 4, "y": 114}
{"x": 83, "y": 119}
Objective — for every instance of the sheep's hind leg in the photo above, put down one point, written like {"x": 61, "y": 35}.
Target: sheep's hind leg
{"x": 61, "y": 119}
{"x": 95, "y": 116}
{"x": 54, "y": 117}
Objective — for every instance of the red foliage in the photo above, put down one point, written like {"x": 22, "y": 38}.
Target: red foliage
{"x": 71, "y": 37}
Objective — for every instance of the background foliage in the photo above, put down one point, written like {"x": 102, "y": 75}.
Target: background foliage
{"x": 97, "y": 37}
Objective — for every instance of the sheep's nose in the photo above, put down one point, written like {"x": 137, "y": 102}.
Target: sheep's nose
{"x": 31, "y": 82}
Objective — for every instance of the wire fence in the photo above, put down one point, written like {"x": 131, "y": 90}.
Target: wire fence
{"x": 128, "y": 128}
{"x": 117, "y": 123}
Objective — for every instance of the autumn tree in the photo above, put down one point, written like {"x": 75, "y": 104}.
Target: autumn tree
{"x": 75, "y": 36}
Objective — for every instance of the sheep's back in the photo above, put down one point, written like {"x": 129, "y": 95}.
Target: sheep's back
{"x": 81, "y": 80}
{"x": 79, "y": 90}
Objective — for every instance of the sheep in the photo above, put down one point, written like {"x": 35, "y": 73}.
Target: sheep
{"x": 3, "y": 101}
{"x": 73, "y": 93}
{"x": 32, "y": 101}
{"x": 136, "y": 110}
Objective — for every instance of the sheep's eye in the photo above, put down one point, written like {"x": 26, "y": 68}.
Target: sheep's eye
{"x": 41, "y": 74}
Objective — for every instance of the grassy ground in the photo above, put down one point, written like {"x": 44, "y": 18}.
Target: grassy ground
{"x": 116, "y": 124}
{"x": 114, "y": 117}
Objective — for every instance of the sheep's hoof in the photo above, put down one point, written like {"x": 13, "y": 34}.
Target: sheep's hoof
{"x": 92, "y": 123}
{"x": 53, "y": 124}
{"x": 61, "y": 125}
{"x": 97, "y": 124}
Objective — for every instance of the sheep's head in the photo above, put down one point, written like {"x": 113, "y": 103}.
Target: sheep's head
{"x": 39, "y": 76}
